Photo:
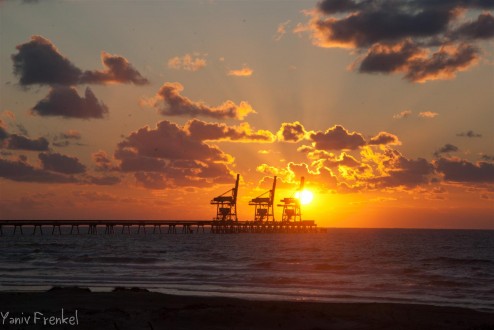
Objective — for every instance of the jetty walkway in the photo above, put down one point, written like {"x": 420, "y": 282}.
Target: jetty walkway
{"x": 143, "y": 226}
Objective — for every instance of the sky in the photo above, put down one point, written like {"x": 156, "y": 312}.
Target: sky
{"x": 148, "y": 109}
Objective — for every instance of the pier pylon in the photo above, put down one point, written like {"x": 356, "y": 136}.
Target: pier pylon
{"x": 226, "y": 204}
{"x": 263, "y": 205}
{"x": 291, "y": 206}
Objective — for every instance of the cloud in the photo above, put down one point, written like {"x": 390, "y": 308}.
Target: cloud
{"x": 117, "y": 70}
{"x": 19, "y": 142}
{"x": 442, "y": 64}
{"x": 173, "y": 157}
{"x": 318, "y": 176}
{"x": 67, "y": 138}
{"x": 482, "y": 28}
{"x": 203, "y": 131}
{"x": 402, "y": 115}
{"x": 458, "y": 170}
{"x": 245, "y": 71}
{"x": 281, "y": 30}
{"x": 94, "y": 196}
{"x": 428, "y": 114}
{"x": 419, "y": 65}
{"x": 407, "y": 113}
{"x": 447, "y": 148}
{"x": 71, "y": 134}
{"x": 402, "y": 172}
{"x": 469, "y": 134}
{"x": 291, "y": 132}
{"x": 102, "y": 181}
{"x": 187, "y": 62}
{"x": 66, "y": 102}
{"x": 22, "y": 171}
{"x": 169, "y": 102}
{"x": 384, "y": 138}
{"x": 386, "y": 58}
{"x": 423, "y": 40}
{"x": 56, "y": 162}
{"x": 102, "y": 160}
{"x": 337, "y": 138}
{"x": 39, "y": 62}
{"x": 151, "y": 180}
{"x": 169, "y": 141}
{"x": 342, "y": 160}
{"x": 3, "y": 132}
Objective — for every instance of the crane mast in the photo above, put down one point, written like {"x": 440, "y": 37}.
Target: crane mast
{"x": 263, "y": 205}
{"x": 226, "y": 204}
{"x": 291, "y": 205}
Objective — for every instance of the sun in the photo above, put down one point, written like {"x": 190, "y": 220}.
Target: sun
{"x": 305, "y": 196}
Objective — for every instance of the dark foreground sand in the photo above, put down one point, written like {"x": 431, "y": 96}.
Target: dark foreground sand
{"x": 131, "y": 309}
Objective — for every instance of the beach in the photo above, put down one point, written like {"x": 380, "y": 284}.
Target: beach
{"x": 139, "y": 309}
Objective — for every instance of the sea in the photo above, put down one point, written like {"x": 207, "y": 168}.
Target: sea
{"x": 438, "y": 267}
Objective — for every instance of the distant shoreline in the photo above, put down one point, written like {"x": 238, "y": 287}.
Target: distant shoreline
{"x": 139, "y": 309}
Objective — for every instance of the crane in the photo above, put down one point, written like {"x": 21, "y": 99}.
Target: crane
{"x": 291, "y": 205}
{"x": 226, "y": 204}
{"x": 263, "y": 205}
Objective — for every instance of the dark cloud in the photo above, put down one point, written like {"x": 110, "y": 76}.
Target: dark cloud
{"x": 386, "y": 58}
{"x": 291, "y": 132}
{"x": 337, "y": 138}
{"x": 172, "y": 156}
{"x": 60, "y": 163}
{"x": 169, "y": 102}
{"x": 469, "y": 134}
{"x": 403, "y": 172}
{"x": 65, "y": 102}
{"x": 447, "y": 148}
{"x": 69, "y": 137}
{"x": 103, "y": 181}
{"x": 443, "y": 64}
{"x": 339, "y": 6}
{"x": 169, "y": 141}
{"x": 384, "y": 138}
{"x": 424, "y": 40}
{"x": 102, "y": 160}
{"x": 416, "y": 63}
{"x": 386, "y": 24}
{"x": 3, "y": 131}
{"x": 487, "y": 158}
{"x": 118, "y": 70}
{"x": 39, "y": 62}
{"x": 458, "y": 170}
{"x": 482, "y": 28}
{"x": 151, "y": 180}
{"x": 19, "y": 142}
{"x": 22, "y": 171}
{"x": 200, "y": 130}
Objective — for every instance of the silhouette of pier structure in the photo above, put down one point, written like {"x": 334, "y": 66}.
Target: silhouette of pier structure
{"x": 225, "y": 221}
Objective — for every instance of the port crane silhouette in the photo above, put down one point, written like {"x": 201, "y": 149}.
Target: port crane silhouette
{"x": 226, "y": 204}
{"x": 291, "y": 205}
{"x": 263, "y": 205}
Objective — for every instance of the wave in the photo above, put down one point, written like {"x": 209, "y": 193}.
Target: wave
{"x": 458, "y": 261}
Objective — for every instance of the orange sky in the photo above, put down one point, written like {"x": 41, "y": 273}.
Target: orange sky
{"x": 149, "y": 109}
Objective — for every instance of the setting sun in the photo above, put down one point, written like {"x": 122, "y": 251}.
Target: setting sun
{"x": 305, "y": 196}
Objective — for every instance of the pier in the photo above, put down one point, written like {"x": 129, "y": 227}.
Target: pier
{"x": 225, "y": 221}
{"x": 110, "y": 227}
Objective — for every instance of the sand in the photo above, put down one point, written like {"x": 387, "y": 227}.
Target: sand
{"x": 138, "y": 309}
